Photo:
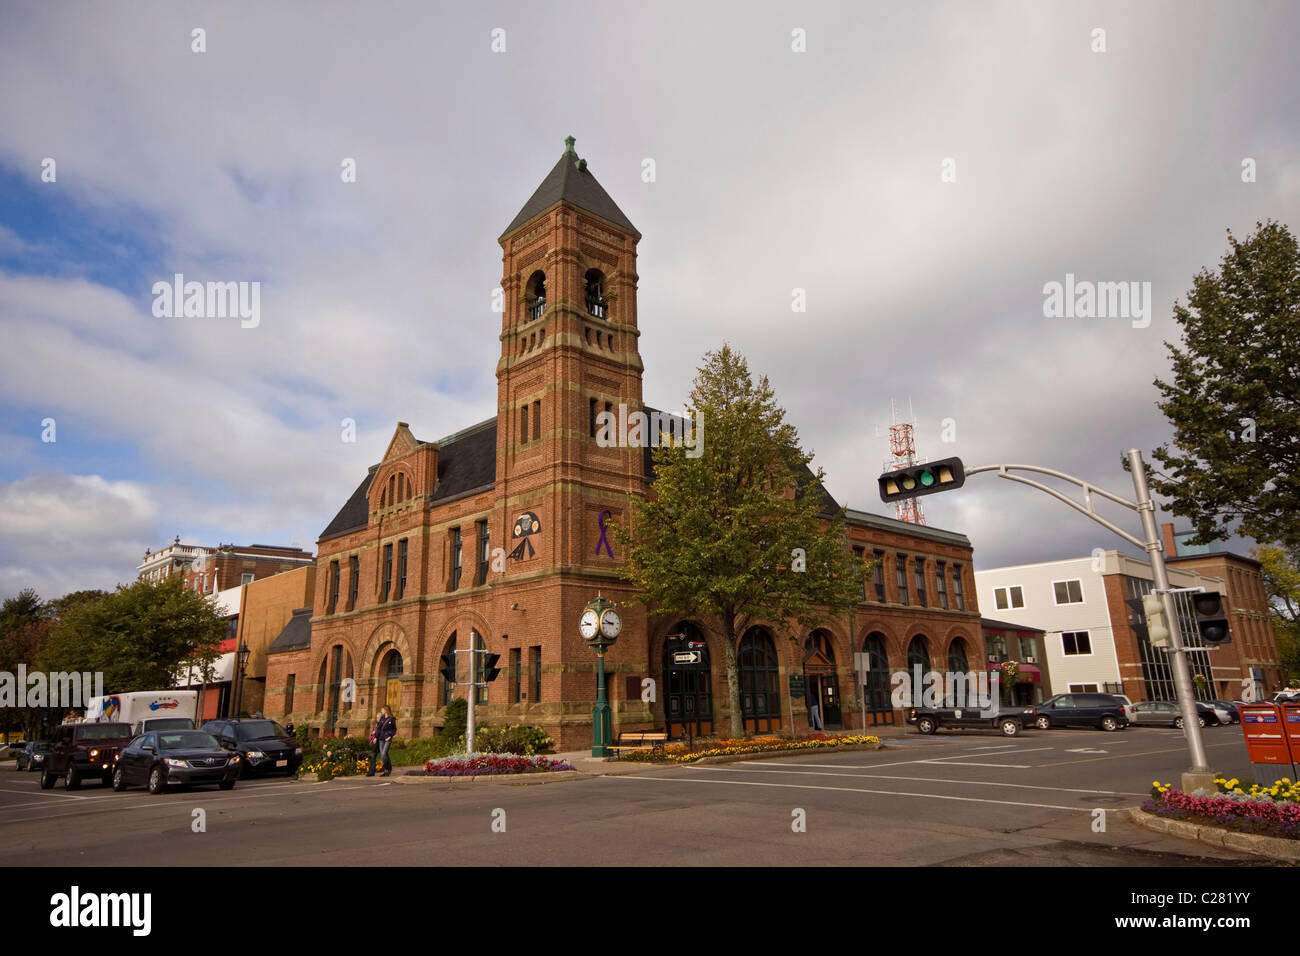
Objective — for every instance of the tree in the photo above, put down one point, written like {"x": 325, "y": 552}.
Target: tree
{"x": 743, "y": 532}
{"x": 1281, "y": 569}
{"x": 141, "y": 636}
{"x": 24, "y": 628}
{"x": 1234, "y": 403}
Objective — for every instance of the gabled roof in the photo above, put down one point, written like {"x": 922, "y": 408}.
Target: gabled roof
{"x": 572, "y": 182}
{"x": 296, "y": 634}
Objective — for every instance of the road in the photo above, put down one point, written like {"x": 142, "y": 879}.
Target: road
{"x": 964, "y": 799}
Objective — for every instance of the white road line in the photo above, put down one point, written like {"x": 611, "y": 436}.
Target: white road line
{"x": 884, "y": 793}
{"x": 32, "y": 793}
{"x": 908, "y": 763}
{"x": 964, "y": 783}
{"x": 1009, "y": 766}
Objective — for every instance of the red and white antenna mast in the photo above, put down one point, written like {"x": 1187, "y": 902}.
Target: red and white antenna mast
{"x": 902, "y": 446}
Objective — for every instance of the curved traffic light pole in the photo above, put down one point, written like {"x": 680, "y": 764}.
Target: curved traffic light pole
{"x": 1200, "y": 774}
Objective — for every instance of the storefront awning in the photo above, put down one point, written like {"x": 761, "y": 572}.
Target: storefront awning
{"x": 1025, "y": 673}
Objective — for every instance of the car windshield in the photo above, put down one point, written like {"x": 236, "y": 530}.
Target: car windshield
{"x": 170, "y": 723}
{"x": 187, "y": 740}
{"x": 259, "y": 730}
{"x": 103, "y": 731}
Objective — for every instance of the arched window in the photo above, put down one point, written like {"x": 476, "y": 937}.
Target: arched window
{"x": 478, "y": 645}
{"x": 391, "y": 668}
{"x": 535, "y": 294}
{"x": 595, "y": 282}
{"x": 918, "y": 652}
{"x": 957, "y": 660}
{"x": 760, "y": 682}
{"x": 449, "y": 667}
{"x": 876, "y": 691}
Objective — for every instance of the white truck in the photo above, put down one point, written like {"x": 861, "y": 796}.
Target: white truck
{"x": 147, "y": 710}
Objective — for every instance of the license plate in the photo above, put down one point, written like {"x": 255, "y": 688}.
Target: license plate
{"x": 282, "y": 763}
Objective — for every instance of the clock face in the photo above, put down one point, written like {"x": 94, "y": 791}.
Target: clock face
{"x": 611, "y": 623}
{"x": 588, "y": 625}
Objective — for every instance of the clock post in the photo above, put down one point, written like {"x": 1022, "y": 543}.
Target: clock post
{"x": 600, "y": 626}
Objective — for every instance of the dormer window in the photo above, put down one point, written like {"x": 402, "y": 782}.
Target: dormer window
{"x": 596, "y": 304}
{"x": 535, "y": 295}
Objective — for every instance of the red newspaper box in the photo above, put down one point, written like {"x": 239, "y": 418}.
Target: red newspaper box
{"x": 1291, "y": 727}
{"x": 1266, "y": 741}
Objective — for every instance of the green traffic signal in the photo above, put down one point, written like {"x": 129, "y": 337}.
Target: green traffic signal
{"x": 927, "y": 479}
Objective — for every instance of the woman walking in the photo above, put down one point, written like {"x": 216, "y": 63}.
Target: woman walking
{"x": 382, "y": 738}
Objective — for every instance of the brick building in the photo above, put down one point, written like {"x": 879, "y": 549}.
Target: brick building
{"x": 211, "y": 570}
{"x": 493, "y": 537}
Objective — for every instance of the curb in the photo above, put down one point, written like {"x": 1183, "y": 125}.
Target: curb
{"x": 509, "y": 779}
{"x": 760, "y": 755}
{"x": 1277, "y": 848}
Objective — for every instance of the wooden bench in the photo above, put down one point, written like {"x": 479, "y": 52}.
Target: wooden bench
{"x": 640, "y": 740}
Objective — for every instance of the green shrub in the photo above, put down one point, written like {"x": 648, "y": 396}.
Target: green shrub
{"x": 419, "y": 751}
{"x": 521, "y": 739}
{"x": 453, "y": 721}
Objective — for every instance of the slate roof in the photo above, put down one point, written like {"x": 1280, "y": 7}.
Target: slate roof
{"x": 296, "y": 634}
{"x": 572, "y": 181}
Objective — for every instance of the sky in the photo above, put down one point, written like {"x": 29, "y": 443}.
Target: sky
{"x": 920, "y": 171}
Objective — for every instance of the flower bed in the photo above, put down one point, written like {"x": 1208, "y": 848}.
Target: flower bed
{"x": 474, "y": 765}
{"x": 1271, "y": 811}
{"x": 680, "y": 753}
{"x": 328, "y": 767}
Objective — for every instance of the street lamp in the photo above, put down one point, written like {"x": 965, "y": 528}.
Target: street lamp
{"x": 243, "y": 655}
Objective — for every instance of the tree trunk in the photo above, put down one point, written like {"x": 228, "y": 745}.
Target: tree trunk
{"x": 733, "y": 675}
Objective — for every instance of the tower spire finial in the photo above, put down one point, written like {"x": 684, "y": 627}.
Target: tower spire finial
{"x": 568, "y": 145}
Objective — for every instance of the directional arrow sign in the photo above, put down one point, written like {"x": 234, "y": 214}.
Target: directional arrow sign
{"x": 686, "y": 657}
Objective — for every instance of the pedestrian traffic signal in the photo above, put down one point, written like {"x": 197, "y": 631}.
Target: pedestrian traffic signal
{"x": 917, "y": 480}
{"x": 490, "y": 670}
{"x": 1211, "y": 617}
{"x": 448, "y": 669}
{"x": 1157, "y": 623}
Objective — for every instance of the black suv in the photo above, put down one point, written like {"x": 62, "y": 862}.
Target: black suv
{"x": 1009, "y": 720}
{"x": 1082, "y": 710}
{"x": 84, "y": 750}
{"x": 264, "y": 745}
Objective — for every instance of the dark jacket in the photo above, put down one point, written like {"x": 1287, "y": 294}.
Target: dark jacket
{"x": 385, "y": 728}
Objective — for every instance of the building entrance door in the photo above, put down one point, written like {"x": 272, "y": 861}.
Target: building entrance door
{"x": 688, "y": 683}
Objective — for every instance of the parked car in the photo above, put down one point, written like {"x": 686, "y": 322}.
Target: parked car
{"x": 1082, "y": 710}
{"x": 32, "y": 756}
{"x": 1009, "y": 720}
{"x": 1129, "y": 711}
{"x": 1161, "y": 713}
{"x": 1217, "y": 713}
{"x": 160, "y": 759}
{"x": 84, "y": 750}
{"x": 265, "y": 746}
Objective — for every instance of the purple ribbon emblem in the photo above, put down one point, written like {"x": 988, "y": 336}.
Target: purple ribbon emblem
{"x": 604, "y": 540}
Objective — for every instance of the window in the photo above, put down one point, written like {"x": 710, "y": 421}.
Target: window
{"x": 535, "y": 670}
{"x": 535, "y": 295}
{"x": 333, "y": 588}
{"x": 1068, "y": 592}
{"x": 455, "y": 560}
{"x": 481, "y": 569}
{"x": 900, "y": 575}
{"x": 480, "y": 685}
{"x": 516, "y": 666}
{"x": 941, "y": 585}
{"x": 1009, "y": 597}
{"x": 591, "y": 412}
{"x": 288, "y": 693}
{"x": 878, "y": 574}
{"x": 354, "y": 579}
{"x": 523, "y": 424}
{"x": 595, "y": 293}
{"x": 1083, "y": 688}
{"x": 1076, "y": 642}
{"x": 537, "y": 420}
{"x": 997, "y": 645}
{"x": 918, "y": 565}
{"x": 401, "y": 568}
{"x": 448, "y": 670}
{"x": 958, "y": 595}
{"x": 246, "y": 578}
{"x": 860, "y": 553}
{"x": 388, "y": 573}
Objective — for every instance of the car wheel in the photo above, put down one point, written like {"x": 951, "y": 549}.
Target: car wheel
{"x": 1109, "y": 723}
{"x": 1010, "y": 728}
{"x": 1200, "y": 721}
{"x": 926, "y": 725}
{"x": 157, "y": 781}
{"x": 47, "y": 781}
{"x": 1178, "y": 723}
{"x": 227, "y": 785}
{"x": 1043, "y": 723}
{"x": 72, "y": 779}
{"x": 119, "y": 780}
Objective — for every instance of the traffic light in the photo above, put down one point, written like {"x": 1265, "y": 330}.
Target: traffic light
{"x": 490, "y": 670}
{"x": 1157, "y": 623}
{"x": 917, "y": 480}
{"x": 1211, "y": 617}
{"x": 448, "y": 669}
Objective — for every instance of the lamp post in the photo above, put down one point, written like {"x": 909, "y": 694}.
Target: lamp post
{"x": 600, "y": 626}
{"x": 243, "y": 655}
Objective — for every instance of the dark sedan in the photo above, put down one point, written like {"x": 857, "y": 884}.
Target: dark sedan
{"x": 265, "y": 746}
{"x": 183, "y": 758}
{"x": 32, "y": 756}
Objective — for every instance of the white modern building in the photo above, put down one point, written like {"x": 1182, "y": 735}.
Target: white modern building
{"x": 1090, "y": 610}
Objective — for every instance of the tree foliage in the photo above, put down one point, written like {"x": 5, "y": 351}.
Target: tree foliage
{"x": 141, "y": 636}
{"x": 740, "y": 533}
{"x": 1281, "y": 570}
{"x": 1233, "y": 465}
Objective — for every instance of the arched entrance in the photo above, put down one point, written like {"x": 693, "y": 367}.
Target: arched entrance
{"x": 760, "y": 682}
{"x": 821, "y": 684}
{"x": 880, "y": 710}
{"x": 688, "y": 682}
{"x": 390, "y": 676}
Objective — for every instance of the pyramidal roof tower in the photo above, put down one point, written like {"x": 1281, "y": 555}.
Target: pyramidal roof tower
{"x": 571, "y": 181}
